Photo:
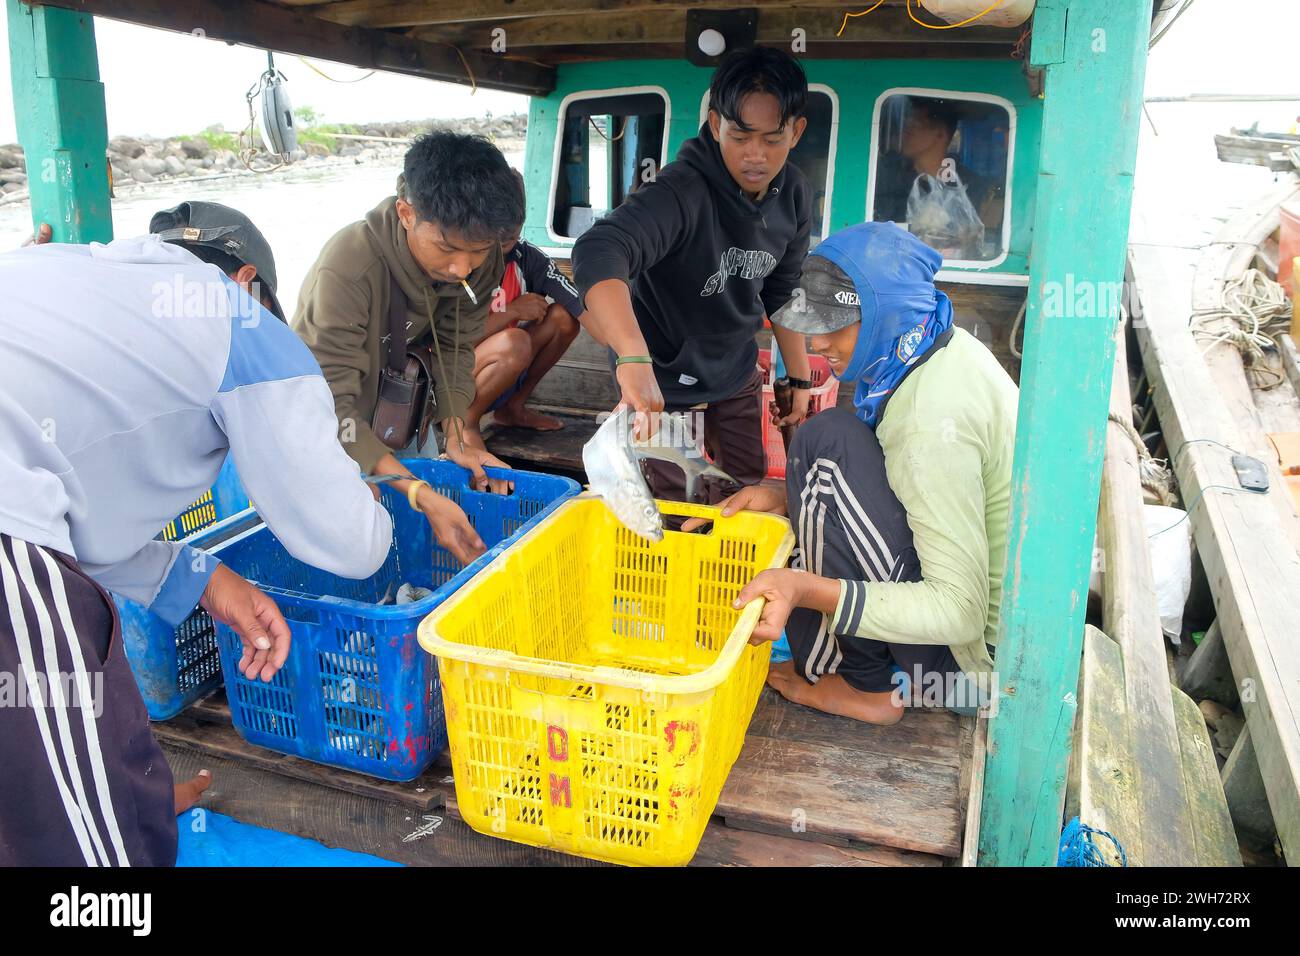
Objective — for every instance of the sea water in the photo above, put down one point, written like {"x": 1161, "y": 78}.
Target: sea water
{"x": 297, "y": 209}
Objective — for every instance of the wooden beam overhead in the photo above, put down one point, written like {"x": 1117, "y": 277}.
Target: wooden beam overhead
{"x": 1250, "y": 561}
{"x": 264, "y": 26}
{"x": 411, "y": 13}
{"x": 775, "y": 26}
{"x": 599, "y": 53}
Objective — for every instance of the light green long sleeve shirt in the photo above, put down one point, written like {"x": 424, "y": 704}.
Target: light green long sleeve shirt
{"x": 948, "y": 434}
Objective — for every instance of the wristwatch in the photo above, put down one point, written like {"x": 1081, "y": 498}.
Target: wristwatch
{"x": 801, "y": 383}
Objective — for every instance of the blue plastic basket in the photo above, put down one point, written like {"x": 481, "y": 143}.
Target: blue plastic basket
{"x": 357, "y": 691}
{"x": 175, "y": 666}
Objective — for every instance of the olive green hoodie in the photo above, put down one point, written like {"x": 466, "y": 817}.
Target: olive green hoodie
{"x": 343, "y": 317}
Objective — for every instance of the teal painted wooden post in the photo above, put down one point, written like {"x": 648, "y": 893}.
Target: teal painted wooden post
{"x": 1095, "y": 60}
{"x": 59, "y": 107}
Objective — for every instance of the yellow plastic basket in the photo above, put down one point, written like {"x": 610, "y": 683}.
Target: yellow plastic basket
{"x": 598, "y": 687}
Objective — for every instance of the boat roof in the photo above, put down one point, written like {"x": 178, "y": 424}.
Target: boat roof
{"x": 516, "y": 45}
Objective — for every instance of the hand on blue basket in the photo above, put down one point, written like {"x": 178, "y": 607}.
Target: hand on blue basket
{"x": 465, "y": 447}
{"x": 450, "y": 526}
{"x": 254, "y": 617}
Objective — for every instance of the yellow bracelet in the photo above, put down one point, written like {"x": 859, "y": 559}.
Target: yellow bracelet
{"x": 413, "y": 491}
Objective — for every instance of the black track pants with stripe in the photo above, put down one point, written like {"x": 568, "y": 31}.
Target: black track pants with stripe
{"x": 82, "y": 780}
{"x": 850, "y": 525}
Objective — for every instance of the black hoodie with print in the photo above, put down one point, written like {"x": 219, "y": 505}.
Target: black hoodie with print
{"x": 704, "y": 263}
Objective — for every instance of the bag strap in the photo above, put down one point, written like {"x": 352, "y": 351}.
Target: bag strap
{"x": 396, "y": 326}
{"x": 437, "y": 347}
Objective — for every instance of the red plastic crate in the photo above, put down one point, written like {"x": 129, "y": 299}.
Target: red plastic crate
{"x": 825, "y": 392}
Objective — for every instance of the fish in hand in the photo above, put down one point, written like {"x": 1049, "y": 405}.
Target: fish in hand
{"x": 614, "y": 474}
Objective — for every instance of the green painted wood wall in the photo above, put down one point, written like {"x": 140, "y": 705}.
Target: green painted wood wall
{"x": 857, "y": 86}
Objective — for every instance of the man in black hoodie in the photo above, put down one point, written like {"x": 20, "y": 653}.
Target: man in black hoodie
{"x": 678, "y": 279}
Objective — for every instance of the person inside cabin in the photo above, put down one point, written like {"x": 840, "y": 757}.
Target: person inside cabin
{"x": 132, "y": 371}
{"x": 530, "y": 325}
{"x": 900, "y": 507}
{"x": 427, "y": 261}
{"x": 678, "y": 279}
{"x": 935, "y": 194}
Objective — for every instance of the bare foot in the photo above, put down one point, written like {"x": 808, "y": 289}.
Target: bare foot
{"x": 188, "y": 792}
{"x": 511, "y": 415}
{"x": 833, "y": 695}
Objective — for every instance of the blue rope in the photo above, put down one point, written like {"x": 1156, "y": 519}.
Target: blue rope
{"x": 1078, "y": 849}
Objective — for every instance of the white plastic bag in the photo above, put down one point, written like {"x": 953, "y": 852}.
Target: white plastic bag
{"x": 1169, "y": 539}
{"x": 1169, "y": 542}
{"x": 1010, "y": 13}
{"x": 941, "y": 215}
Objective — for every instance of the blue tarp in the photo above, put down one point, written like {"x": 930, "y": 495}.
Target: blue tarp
{"x": 213, "y": 839}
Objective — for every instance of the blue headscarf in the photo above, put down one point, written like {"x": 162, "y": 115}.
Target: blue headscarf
{"x": 902, "y": 312}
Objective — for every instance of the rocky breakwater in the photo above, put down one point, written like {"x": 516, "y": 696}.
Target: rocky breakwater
{"x": 215, "y": 151}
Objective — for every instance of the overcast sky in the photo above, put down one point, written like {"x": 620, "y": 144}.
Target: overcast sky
{"x": 164, "y": 83}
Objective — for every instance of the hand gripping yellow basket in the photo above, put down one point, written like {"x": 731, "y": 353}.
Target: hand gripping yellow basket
{"x": 598, "y": 687}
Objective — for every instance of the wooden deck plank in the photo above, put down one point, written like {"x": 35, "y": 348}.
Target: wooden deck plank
{"x": 1208, "y": 673}
{"x": 931, "y": 735}
{"x": 1250, "y": 562}
{"x": 1208, "y": 820}
{"x": 973, "y": 785}
{"x": 558, "y": 450}
{"x": 1103, "y": 779}
{"x": 581, "y": 378}
{"x": 727, "y": 846}
{"x": 1244, "y": 788}
{"x": 1227, "y": 257}
{"x": 349, "y": 820}
{"x": 1131, "y": 618}
{"x": 209, "y": 731}
{"x": 856, "y": 821}
{"x": 825, "y": 790}
{"x": 266, "y": 797}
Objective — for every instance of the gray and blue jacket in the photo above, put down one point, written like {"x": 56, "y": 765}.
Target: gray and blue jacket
{"x": 128, "y": 372}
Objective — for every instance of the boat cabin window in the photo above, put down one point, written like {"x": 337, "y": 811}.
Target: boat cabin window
{"x": 941, "y": 170}
{"x": 813, "y": 156}
{"x": 609, "y": 145}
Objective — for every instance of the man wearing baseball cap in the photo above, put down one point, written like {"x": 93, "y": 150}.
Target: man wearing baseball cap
{"x": 132, "y": 370}
{"x": 900, "y": 507}
{"x": 227, "y": 239}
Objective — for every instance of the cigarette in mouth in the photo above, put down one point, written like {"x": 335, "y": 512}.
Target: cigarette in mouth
{"x": 469, "y": 292}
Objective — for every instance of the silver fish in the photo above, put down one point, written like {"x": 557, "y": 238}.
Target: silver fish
{"x": 613, "y": 473}
{"x": 672, "y": 443}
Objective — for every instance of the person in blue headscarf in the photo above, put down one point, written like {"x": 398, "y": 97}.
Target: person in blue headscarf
{"x": 901, "y": 506}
